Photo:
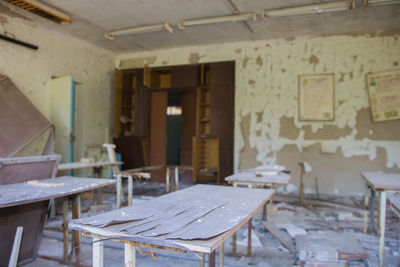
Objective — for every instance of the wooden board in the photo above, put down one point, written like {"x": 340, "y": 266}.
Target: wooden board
{"x": 17, "y": 170}
{"x": 382, "y": 181}
{"x": 83, "y": 165}
{"x": 395, "y": 204}
{"x": 249, "y": 177}
{"x": 281, "y": 236}
{"x": 384, "y": 95}
{"x": 34, "y": 191}
{"x": 208, "y": 215}
{"x": 345, "y": 244}
{"x": 20, "y": 120}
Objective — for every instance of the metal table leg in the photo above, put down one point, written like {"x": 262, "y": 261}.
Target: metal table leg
{"x": 65, "y": 228}
{"x": 366, "y": 206}
{"x": 98, "y": 249}
{"x": 221, "y": 255}
{"x": 76, "y": 214}
{"x": 382, "y": 220}
{"x": 130, "y": 255}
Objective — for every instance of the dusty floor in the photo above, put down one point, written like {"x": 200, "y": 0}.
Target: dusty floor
{"x": 267, "y": 251}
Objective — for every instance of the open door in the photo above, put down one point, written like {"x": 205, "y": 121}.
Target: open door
{"x": 62, "y": 115}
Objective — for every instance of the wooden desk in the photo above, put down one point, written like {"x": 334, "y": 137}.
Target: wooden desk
{"x": 199, "y": 218}
{"x": 382, "y": 183}
{"x": 250, "y": 179}
{"x": 28, "y": 194}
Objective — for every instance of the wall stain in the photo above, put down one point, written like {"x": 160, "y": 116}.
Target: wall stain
{"x": 238, "y": 51}
{"x": 259, "y": 61}
{"x": 289, "y": 39}
{"x": 313, "y": 59}
{"x": 245, "y": 61}
{"x": 252, "y": 82}
{"x": 194, "y": 58}
{"x": 283, "y": 70}
{"x": 395, "y": 63}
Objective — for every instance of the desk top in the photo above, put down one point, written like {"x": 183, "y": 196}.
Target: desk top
{"x": 395, "y": 204}
{"x": 198, "y": 218}
{"x": 83, "y": 165}
{"x": 380, "y": 181}
{"x": 38, "y": 190}
{"x": 250, "y": 177}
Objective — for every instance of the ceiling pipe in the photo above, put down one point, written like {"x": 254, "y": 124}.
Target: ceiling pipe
{"x": 232, "y": 18}
{"x": 309, "y": 9}
{"x": 140, "y": 29}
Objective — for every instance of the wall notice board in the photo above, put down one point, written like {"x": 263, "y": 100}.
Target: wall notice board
{"x": 384, "y": 95}
{"x": 316, "y": 97}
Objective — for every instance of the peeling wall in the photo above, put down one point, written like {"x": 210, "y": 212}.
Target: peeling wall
{"x": 267, "y": 130}
{"x": 60, "y": 55}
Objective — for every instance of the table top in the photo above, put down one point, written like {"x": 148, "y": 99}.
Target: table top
{"x": 198, "y": 218}
{"x": 380, "y": 181}
{"x": 83, "y": 165}
{"x": 250, "y": 177}
{"x": 38, "y": 190}
{"x": 395, "y": 204}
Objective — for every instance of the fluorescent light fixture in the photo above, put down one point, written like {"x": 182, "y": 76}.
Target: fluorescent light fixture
{"x": 233, "y": 18}
{"x": 380, "y": 2}
{"x": 140, "y": 29}
{"x": 309, "y": 9}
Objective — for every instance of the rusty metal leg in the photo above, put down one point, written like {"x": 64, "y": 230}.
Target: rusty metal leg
{"x": 119, "y": 187}
{"x": 130, "y": 255}
{"x": 366, "y": 204}
{"x": 76, "y": 214}
{"x": 176, "y": 178}
{"x": 382, "y": 220}
{"x": 65, "y": 228}
{"x": 234, "y": 237}
{"x": 167, "y": 180}
{"x": 249, "y": 225}
{"x": 130, "y": 190}
{"x": 98, "y": 249}
{"x": 221, "y": 255}
{"x": 211, "y": 259}
{"x": 202, "y": 260}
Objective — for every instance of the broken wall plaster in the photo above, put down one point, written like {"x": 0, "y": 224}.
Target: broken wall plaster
{"x": 61, "y": 55}
{"x": 264, "y": 95}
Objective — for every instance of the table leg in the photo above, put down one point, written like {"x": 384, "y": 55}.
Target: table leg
{"x": 98, "y": 249}
{"x": 234, "y": 237}
{"x": 130, "y": 255}
{"x": 167, "y": 180}
{"x": 249, "y": 226}
{"x": 271, "y": 209}
{"x": 234, "y": 184}
{"x": 221, "y": 255}
{"x": 264, "y": 212}
{"x": 366, "y": 204}
{"x": 202, "y": 260}
{"x": 382, "y": 220}
{"x": 119, "y": 187}
{"x": 176, "y": 178}
{"x": 65, "y": 228}
{"x": 372, "y": 211}
{"x": 76, "y": 214}
{"x": 211, "y": 259}
{"x": 130, "y": 190}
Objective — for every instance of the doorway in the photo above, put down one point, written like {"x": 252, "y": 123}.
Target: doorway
{"x": 174, "y": 122}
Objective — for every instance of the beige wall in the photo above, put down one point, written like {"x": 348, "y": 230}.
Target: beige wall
{"x": 60, "y": 55}
{"x": 267, "y": 130}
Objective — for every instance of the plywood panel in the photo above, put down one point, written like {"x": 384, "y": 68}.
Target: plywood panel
{"x": 222, "y": 112}
{"x": 158, "y": 134}
{"x": 20, "y": 120}
{"x": 60, "y": 114}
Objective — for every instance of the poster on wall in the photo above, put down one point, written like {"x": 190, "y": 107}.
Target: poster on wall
{"x": 384, "y": 95}
{"x": 316, "y": 97}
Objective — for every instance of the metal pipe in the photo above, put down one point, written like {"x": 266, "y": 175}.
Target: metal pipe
{"x": 18, "y": 42}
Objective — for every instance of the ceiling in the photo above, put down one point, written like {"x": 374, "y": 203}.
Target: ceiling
{"x": 92, "y": 18}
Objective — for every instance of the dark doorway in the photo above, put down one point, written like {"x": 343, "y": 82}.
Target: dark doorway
{"x": 174, "y": 122}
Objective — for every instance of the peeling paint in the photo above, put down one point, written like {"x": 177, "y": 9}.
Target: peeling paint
{"x": 238, "y": 51}
{"x": 259, "y": 61}
{"x": 194, "y": 58}
{"x": 313, "y": 60}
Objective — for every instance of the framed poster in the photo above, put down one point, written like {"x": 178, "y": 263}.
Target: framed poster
{"x": 384, "y": 95}
{"x": 316, "y": 97}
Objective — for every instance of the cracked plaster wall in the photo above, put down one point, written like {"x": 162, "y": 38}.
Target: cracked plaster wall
{"x": 60, "y": 55}
{"x": 267, "y": 130}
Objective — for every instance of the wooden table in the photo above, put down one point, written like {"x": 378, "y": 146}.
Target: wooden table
{"x": 395, "y": 205}
{"x": 381, "y": 183}
{"x": 250, "y": 179}
{"x": 13, "y": 196}
{"x": 199, "y": 219}
{"x": 86, "y": 165}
